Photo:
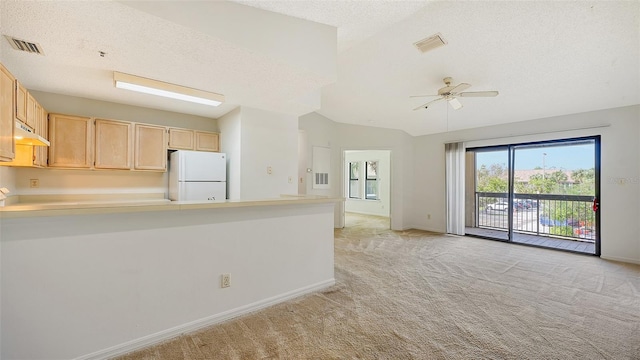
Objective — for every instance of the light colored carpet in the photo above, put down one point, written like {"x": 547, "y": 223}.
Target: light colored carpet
{"x": 419, "y": 295}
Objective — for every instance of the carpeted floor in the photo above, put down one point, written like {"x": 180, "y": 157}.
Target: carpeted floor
{"x": 420, "y": 295}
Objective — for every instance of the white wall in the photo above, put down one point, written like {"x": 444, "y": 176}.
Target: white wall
{"x": 269, "y": 139}
{"x": 378, "y": 207}
{"x": 620, "y": 205}
{"x": 231, "y": 144}
{"x": 59, "y": 181}
{"x": 105, "y": 284}
{"x": 254, "y": 141}
{"x": 8, "y": 178}
{"x": 322, "y": 131}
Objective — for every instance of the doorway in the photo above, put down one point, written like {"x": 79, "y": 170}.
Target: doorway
{"x": 366, "y": 188}
{"x": 542, "y": 194}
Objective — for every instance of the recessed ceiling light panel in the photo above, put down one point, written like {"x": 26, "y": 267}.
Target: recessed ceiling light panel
{"x": 159, "y": 88}
{"x": 430, "y": 43}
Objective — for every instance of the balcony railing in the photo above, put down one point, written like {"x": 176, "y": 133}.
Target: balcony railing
{"x": 563, "y": 216}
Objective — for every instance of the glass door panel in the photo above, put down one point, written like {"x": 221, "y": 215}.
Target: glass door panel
{"x": 554, "y": 188}
{"x": 487, "y": 195}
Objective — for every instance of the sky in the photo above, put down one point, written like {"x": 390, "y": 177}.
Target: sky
{"x": 557, "y": 157}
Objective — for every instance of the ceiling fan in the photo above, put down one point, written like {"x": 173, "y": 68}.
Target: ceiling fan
{"x": 451, "y": 93}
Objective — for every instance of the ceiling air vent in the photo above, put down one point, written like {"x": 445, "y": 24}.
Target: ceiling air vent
{"x": 430, "y": 43}
{"x": 24, "y": 45}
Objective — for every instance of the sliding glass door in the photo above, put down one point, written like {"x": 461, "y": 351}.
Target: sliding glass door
{"x": 541, "y": 194}
{"x": 490, "y": 192}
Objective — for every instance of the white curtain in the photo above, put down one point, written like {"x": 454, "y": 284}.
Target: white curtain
{"x": 454, "y": 172}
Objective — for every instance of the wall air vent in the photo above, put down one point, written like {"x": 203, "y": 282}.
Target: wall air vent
{"x": 24, "y": 45}
{"x": 430, "y": 43}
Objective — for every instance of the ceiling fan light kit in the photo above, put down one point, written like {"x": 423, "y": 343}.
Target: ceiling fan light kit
{"x": 451, "y": 93}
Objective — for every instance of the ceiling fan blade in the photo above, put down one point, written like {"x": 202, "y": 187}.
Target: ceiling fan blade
{"x": 455, "y": 104}
{"x": 459, "y": 88}
{"x": 424, "y": 106}
{"x": 417, "y": 96}
{"x": 479, "y": 94}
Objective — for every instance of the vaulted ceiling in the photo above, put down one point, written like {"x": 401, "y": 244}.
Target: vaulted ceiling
{"x": 351, "y": 61}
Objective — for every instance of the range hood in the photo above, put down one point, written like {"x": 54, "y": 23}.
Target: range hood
{"x": 25, "y": 136}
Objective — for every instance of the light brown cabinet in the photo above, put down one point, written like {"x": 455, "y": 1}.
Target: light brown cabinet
{"x": 150, "y": 147}
{"x": 40, "y": 153}
{"x": 113, "y": 145}
{"x": 32, "y": 111}
{"x": 181, "y": 139}
{"x": 207, "y": 141}
{"x": 7, "y": 98}
{"x": 21, "y": 102}
{"x": 71, "y": 141}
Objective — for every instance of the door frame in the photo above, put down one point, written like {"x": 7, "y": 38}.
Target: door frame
{"x": 510, "y": 166}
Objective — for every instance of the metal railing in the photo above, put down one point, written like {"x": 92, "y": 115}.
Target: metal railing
{"x": 564, "y": 216}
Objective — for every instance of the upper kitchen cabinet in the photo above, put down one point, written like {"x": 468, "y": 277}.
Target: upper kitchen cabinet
{"x": 207, "y": 141}
{"x": 181, "y": 139}
{"x": 7, "y": 99}
{"x": 113, "y": 144}
{"x": 40, "y": 153}
{"x": 21, "y": 102}
{"x": 71, "y": 141}
{"x": 32, "y": 111}
{"x": 150, "y": 147}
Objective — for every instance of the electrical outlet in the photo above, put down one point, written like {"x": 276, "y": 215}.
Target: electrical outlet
{"x": 269, "y": 170}
{"x": 290, "y": 179}
{"x": 428, "y": 216}
{"x": 34, "y": 183}
{"x": 225, "y": 280}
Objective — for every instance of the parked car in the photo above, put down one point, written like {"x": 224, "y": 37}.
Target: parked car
{"x": 503, "y": 206}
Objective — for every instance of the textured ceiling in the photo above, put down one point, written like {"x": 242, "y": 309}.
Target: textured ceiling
{"x": 545, "y": 58}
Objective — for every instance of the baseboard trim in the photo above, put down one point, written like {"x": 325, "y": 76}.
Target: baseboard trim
{"x": 425, "y": 229}
{"x": 621, "y": 259}
{"x": 152, "y": 339}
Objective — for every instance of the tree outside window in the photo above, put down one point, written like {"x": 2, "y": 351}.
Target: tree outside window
{"x": 371, "y": 178}
{"x": 354, "y": 180}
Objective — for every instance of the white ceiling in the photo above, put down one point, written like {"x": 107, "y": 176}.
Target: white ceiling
{"x": 545, "y": 58}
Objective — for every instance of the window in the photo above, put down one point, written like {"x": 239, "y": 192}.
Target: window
{"x": 371, "y": 186}
{"x": 354, "y": 180}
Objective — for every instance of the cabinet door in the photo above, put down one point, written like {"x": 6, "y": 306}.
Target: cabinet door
{"x": 181, "y": 139}
{"x": 113, "y": 144}
{"x": 7, "y": 97}
{"x": 38, "y": 159}
{"x": 150, "y": 148}
{"x": 70, "y": 138}
{"x": 207, "y": 141}
{"x": 41, "y": 152}
{"x": 21, "y": 102}
{"x": 32, "y": 113}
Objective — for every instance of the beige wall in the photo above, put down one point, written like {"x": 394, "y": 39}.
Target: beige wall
{"x": 620, "y": 173}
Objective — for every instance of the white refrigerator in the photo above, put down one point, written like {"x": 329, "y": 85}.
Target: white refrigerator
{"x": 197, "y": 175}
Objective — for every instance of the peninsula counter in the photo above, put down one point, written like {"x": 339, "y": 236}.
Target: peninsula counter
{"x": 91, "y": 280}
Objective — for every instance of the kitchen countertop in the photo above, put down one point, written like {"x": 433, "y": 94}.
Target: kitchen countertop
{"x": 106, "y": 206}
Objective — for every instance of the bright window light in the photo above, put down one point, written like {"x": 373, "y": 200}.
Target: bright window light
{"x": 159, "y": 88}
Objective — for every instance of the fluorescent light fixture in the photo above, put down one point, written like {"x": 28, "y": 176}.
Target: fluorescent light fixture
{"x": 159, "y": 88}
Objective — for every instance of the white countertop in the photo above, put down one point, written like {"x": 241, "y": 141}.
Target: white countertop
{"x": 104, "y": 206}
